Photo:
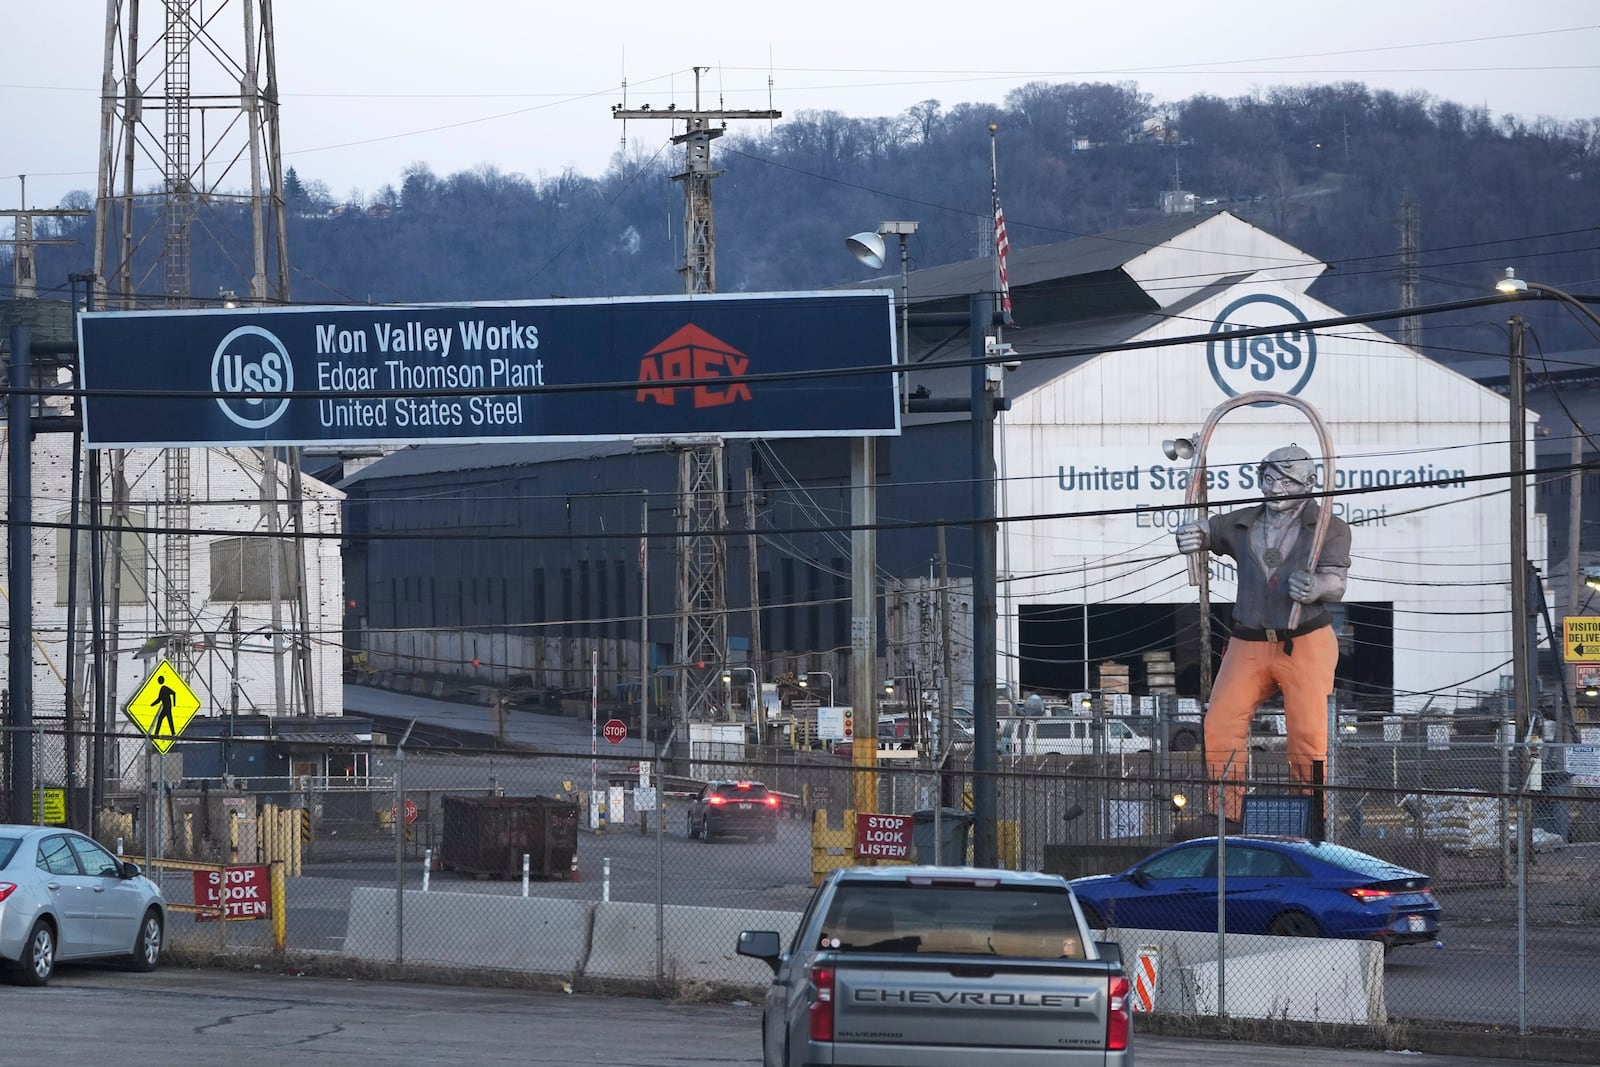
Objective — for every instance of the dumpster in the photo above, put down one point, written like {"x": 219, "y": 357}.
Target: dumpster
{"x": 487, "y": 836}
{"x": 955, "y": 827}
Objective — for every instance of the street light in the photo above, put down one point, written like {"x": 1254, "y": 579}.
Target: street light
{"x": 869, "y": 248}
{"x": 805, "y": 683}
{"x": 1512, "y": 285}
{"x": 1521, "y": 639}
{"x": 755, "y": 685}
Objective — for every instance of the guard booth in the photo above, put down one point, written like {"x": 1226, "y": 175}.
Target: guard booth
{"x": 300, "y": 753}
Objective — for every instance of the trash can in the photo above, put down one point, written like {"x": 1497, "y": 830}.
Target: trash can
{"x": 955, "y": 828}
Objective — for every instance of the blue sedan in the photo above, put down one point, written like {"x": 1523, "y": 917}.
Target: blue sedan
{"x": 1276, "y": 885}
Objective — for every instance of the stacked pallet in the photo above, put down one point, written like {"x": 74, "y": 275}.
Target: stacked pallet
{"x": 1160, "y": 673}
{"x": 1111, "y": 677}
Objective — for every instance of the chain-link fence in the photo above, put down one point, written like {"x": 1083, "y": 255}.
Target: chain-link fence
{"x": 600, "y": 869}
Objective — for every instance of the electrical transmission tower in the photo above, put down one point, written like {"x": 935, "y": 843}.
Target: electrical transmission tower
{"x": 189, "y": 143}
{"x": 1410, "y": 271}
{"x": 24, "y": 268}
{"x": 702, "y": 634}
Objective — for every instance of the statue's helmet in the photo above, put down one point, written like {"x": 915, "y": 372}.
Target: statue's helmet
{"x": 1291, "y": 461}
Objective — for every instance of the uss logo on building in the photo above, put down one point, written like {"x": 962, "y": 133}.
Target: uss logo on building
{"x": 1282, "y": 361}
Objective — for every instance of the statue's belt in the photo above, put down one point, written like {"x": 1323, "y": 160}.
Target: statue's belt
{"x": 1246, "y": 633}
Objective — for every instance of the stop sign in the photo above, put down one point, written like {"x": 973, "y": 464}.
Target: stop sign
{"x": 615, "y": 731}
{"x": 411, "y": 810}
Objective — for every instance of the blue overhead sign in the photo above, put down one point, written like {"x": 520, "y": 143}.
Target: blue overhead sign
{"x": 538, "y": 371}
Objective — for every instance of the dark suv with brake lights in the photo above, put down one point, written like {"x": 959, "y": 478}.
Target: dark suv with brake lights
{"x": 741, "y": 809}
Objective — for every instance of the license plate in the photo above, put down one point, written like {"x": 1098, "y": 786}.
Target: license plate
{"x": 1416, "y": 924}
{"x": 744, "y": 807}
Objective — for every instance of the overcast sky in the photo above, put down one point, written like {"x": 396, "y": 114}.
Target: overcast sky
{"x": 369, "y": 87}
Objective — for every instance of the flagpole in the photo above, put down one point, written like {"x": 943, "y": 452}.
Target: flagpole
{"x": 1001, "y": 243}
{"x": 994, "y": 192}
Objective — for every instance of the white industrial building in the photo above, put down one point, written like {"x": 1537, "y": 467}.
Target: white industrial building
{"x": 1088, "y": 568}
{"x": 217, "y": 631}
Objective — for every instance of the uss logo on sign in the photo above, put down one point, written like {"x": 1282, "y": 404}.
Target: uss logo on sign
{"x": 1281, "y": 361}
{"x": 248, "y": 366}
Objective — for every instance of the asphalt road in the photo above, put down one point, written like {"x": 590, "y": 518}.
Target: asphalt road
{"x": 266, "y": 1020}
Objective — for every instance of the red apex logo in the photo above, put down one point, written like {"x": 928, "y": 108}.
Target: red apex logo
{"x": 688, "y": 354}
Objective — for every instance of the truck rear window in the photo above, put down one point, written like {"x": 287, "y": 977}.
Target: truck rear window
{"x": 1017, "y": 922}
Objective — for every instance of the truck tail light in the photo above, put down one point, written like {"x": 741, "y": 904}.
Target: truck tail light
{"x": 6, "y": 889}
{"x": 1119, "y": 1015}
{"x": 822, "y": 1002}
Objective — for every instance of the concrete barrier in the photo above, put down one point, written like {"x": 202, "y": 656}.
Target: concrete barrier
{"x": 1306, "y": 979}
{"x": 1325, "y": 980}
{"x": 537, "y": 935}
{"x": 698, "y": 944}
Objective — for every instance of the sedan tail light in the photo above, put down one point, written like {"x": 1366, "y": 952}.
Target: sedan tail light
{"x": 716, "y": 801}
{"x": 1367, "y": 895}
{"x": 1119, "y": 1014}
{"x": 6, "y": 889}
{"x": 822, "y": 1003}
{"x": 771, "y": 801}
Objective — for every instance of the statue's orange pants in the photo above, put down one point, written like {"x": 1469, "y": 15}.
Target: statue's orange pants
{"x": 1251, "y": 672}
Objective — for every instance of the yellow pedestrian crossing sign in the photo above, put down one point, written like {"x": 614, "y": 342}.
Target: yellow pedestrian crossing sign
{"x": 163, "y": 706}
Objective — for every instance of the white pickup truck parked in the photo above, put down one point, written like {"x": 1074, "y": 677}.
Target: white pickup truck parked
{"x": 942, "y": 967}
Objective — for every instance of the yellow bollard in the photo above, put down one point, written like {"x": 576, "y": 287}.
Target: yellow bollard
{"x": 289, "y": 823}
{"x": 1010, "y": 844}
{"x": 830, "y": 848}
{"x": 279, "y": 908}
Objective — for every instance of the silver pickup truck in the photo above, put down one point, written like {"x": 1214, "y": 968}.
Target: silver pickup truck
{"x": 942, "y": 967}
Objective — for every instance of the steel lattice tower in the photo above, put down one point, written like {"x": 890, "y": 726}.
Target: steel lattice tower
{"x": 702, "y": 634}
{"x": 212, "y": 165}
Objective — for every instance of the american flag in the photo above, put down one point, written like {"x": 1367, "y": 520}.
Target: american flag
{"x": 1002, "y": 244}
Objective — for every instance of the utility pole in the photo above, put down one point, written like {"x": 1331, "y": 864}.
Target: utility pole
{"x": 1575, "y": 584}
{"x": 985, "y": 756}
{"x": 1522, "y": 705}
{"x": 757, "y": 708}
{"x": 702, "y": 647}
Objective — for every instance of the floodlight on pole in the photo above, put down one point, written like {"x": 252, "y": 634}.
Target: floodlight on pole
{"x": 870, "y": 249}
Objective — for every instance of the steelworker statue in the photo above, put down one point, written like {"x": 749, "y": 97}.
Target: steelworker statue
{"x": 1271, "y": 544}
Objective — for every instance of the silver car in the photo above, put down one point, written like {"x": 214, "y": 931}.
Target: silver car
{"x": 63, "y": 896}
